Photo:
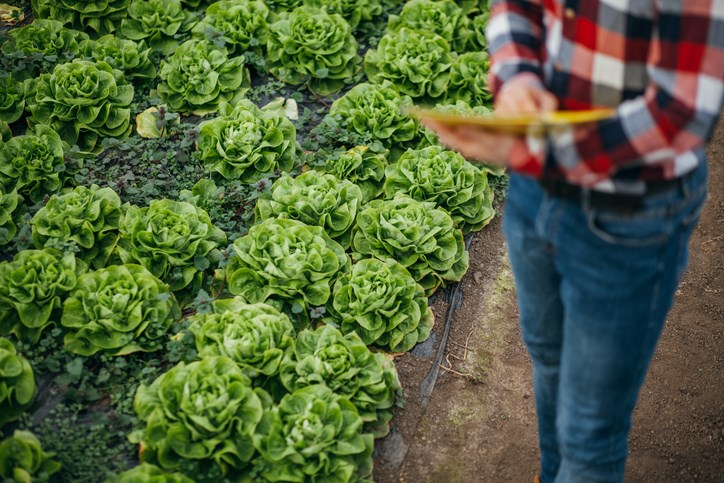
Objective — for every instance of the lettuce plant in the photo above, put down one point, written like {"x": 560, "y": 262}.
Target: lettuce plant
{"x": 199, "y": 76}
{"x": 5, "y": 133}
{"x": 469, "y": 79}
{"x": 416, "y": 62}
{"x": 376, "y": 110}
{"x": 196, "y": 4}
{"x": 242, "y": 25}
{"x": 23, "y": 460}
{"x": 44, "y": 38}
{"x": 33, "y": 164}
{"x": 128, "y": 56}
{"x": 82, "y": 101}
{"x": 174, "y": 240}
{"x": 17, "y": 383}
{"x": 443, "y": 17}
{"x": 313, "y": 435}
{"x": 99, "y": 16}
{"x": 12, "y": 99}
{"x": 478, "y": 25}
{"x": 254, "y": 336}
{"x": 200, "y": 419}
{"x": 247, "y": 143}
{"x": 447, "y": 179}
{"x": 285, "y": 263}
{"x": 353, "y": 11}
{"x": 361, "y": 166}
{"x": 147, "y": 473}
{"x": 86, "y": 217}
{"x": 158, "y": 22}
{"x": 420, "y": 236}
{"x": 315, "y": 199}
{"x": 11, "y": 205}
{"x": 283, "y": 5}
{"x": 32, "y": 287}
{"x": 310, "y": 46}
{"x": 345, "y": 365}
{"x": 118, "y": 310}
{"x": 382, "y": 303}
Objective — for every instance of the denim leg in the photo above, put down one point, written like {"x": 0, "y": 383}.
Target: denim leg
{"x": 619, "y": 275}
{"x": 541, "y": 312}
{"x": 594, "y": 288}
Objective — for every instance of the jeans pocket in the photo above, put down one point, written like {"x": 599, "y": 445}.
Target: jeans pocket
{"x": 642, "y": 229}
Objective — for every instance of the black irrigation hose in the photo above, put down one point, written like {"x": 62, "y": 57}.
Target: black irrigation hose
{"x": 454, "y": 297}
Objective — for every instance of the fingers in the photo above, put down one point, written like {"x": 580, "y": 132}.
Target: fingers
{"x": 548, "y": 102}
{"x": 521, "y": 96}
{"x": 518, "y": 101}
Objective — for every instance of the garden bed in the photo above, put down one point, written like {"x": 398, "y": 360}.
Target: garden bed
{"x": 198, "y": 214}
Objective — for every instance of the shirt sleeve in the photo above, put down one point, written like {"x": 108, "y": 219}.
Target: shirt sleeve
{"x": 514, "y": 35}
{"x": 675, "y": 114}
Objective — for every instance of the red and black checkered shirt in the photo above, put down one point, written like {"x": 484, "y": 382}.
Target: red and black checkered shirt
{"x": 660, "y": 63}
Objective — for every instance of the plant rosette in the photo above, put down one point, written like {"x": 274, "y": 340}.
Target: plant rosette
{"x": 353, "y": 11}
{"x": 417, "y": 63}
{"x": 11, "y": 206}
{"x": 46, "y": 38}
{"x": 17, "y": 383}
{"x": 85, "y": 217}
{"x": 12, "y": 99}
{"x": 442, "y": 17}
{"x": 118, "y": 310}
{"x": 174, "y": 240}
{"x": 310, "y": 46}
{"x": 158, "y": 22}
{"x": 242, "y": 25}
{"x": 247, "y": 143}
{"x": 420, "y": 236}
{"x": 469, "y": 79}
{"x": 199, "y": 76}
{"x": 83, "y": 102}
{"x": 32, "y": 288}
{"x": 447, "y": 179}
{"x": 313, "y": 435}
{"x": 254, "y": 336}
{"x": 147, "y": 473}
{"x": 200, "y": 419}
{"x": 23, "y": 460}
{"x": 315, "y": 199}
{"x": 99, "y": 16}
{"x": 381, "y": 302}
{"x": 287, "y": 264}
{"x": 125, "y": 55}
{"x": 361, "y": 166}
{"x": 345, "y": 365}
{"x": 376, "y": 110}
{"x": 33, "y": 164}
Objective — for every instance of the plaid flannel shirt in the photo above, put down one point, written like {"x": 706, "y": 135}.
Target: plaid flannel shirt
{"x": 660, "y": 63}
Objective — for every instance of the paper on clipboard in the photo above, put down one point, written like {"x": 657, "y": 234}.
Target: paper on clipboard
{"x": 513, "y": 124}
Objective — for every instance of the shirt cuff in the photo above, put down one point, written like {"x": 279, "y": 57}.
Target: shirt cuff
{"x": 528, "y": 156}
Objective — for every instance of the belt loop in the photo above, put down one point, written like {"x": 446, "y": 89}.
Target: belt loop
{"x": 684, "y": 185}
{"x": 585, "y": 200}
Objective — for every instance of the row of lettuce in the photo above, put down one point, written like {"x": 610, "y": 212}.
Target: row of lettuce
{"x": 341, "y": 258}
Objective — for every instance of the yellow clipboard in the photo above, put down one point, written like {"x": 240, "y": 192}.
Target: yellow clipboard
{"x": 513, "y": 124}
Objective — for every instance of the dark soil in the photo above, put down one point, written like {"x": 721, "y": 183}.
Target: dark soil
{"x": 480, "y": 423}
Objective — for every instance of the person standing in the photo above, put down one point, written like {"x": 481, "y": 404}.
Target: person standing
{"x": 598, "y": 216}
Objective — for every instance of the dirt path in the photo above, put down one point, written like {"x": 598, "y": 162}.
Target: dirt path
{"x": 480, "y": 425}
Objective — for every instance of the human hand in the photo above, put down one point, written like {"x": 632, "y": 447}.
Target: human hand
{"x": 475, "y": 143}
{"x": 524, "y": 94}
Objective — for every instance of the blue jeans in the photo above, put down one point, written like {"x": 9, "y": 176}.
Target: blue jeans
{"x": 594, "y": 287}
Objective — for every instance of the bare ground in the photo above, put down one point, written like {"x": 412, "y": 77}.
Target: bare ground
{"x": 480, "y": 424}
